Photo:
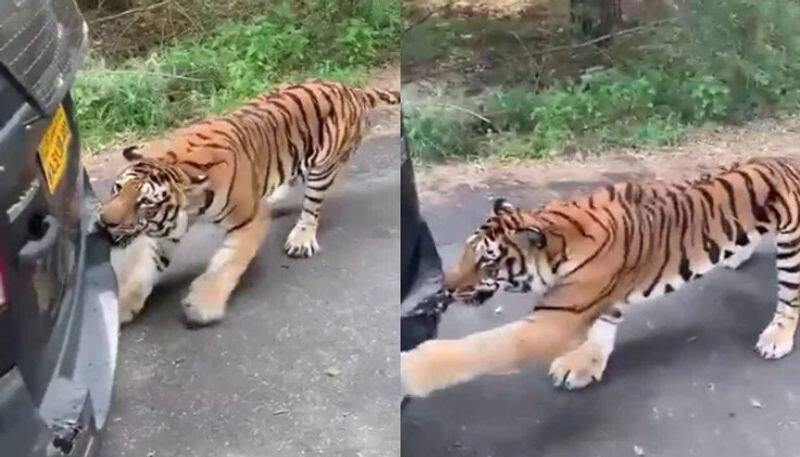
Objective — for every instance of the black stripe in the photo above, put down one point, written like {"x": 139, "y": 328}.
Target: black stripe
{"x": 315, "y": 102}
{"x": 789, "y": 244}
{"x": 790, "y": 269}
{"x": 209, "y": 199}
{"x": 313, "y": 213}
{"x": 712, "y": 248}
{"x": 303, "y": 126}
{"x": 224, "y": 213}
{"x": 594, "y": 254}
{"x": 238, "y": 226}
{"x": 758, "y": 211}
{"x": 731, "y": 195}
{"x": 663, "y": 266}
{"x": 572, "y": 221}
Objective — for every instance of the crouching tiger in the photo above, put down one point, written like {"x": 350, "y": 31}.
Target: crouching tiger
{"x": 220, "y": 170}
{"x": 592, "y": 256}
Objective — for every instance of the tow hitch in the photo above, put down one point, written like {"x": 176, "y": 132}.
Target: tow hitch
{"x": 64, "y": 441}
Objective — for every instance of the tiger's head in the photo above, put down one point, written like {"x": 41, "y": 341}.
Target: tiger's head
{"x": 507, "y": 252}
{"x": 149, "y": 196}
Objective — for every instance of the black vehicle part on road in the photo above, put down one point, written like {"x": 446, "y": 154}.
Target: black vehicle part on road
{"x": 420, "y": 264}
{"x": 58, "y": 326}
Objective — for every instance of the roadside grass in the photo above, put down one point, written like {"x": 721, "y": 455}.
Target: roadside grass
{"x": 186, "y": 80}
{"x": 723, "y": 62}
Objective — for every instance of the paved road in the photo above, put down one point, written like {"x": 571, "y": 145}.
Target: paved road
{"x": 256, "y": 385}
{"x": 683, "y": 381}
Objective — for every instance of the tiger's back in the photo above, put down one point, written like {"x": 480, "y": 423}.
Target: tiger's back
{"x": 651, "y": 238}
{"x": 303, "y": 130}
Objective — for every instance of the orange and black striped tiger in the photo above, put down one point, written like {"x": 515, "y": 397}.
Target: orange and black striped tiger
{"x": 222, "y": 170}
{"x": 592, "y": 256}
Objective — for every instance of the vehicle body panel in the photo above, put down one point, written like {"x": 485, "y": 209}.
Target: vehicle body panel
{"x": 58, "y": 325}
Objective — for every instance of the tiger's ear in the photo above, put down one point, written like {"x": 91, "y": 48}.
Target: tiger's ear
{"x": 502, "y": 206}
{"x": 132, "y": 153}
{"x": 536, "y": 237}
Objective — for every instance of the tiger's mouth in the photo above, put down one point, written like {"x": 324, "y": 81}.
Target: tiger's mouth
{"x": 470, "y": 296}
{"x": 123, "y": 230}
{"x": 476, "y": 296}
{"x": 519, "y": 287}
{"x": 118, "y": 235}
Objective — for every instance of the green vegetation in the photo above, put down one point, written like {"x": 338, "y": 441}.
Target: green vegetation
{"x": 716, "y": 62}
{"x": 189, "y": 79}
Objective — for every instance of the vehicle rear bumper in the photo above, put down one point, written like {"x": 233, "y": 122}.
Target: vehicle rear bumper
{"x": 77, "y": 398}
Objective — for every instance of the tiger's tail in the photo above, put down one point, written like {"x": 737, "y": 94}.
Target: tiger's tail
{"x": 372, "y": 97}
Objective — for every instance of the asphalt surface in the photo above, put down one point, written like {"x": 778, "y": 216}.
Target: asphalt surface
{"x": 684, "y": 379}
{"x": 306, "y": 362}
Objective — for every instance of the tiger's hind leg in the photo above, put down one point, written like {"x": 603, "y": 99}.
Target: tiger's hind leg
{"x": 208, "y": 294}
{"x": 302, "y": 240}
{"x": 777, "y": 339}
{"x": 580, "y": 367}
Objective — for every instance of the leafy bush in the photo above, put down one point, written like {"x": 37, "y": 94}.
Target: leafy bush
{"x": 435, "y": 134}
{"x": 234, "y": 62}
{"x": 718, "y": 62}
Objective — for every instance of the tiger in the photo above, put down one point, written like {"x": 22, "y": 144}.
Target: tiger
{"x": 225, "y": 170}
{"x": 589, "y": 257}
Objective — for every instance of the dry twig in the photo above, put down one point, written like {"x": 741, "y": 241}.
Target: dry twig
{"x": 599, "y": 39}
{"x": 468, "y": 111}
{"x": 130, "y": 11}
{"x": 536, "y": 67}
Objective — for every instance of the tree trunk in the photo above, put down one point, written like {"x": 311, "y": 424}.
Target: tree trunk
{"x": 595, "y": 18}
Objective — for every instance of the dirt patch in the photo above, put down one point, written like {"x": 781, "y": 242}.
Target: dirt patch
{"x": 145, "y": 25}
{"x": 704, "y": 151}
{"x": 486, "y": 8}
{"x": 383, "y": 121}
{"x": 456, "y": 49}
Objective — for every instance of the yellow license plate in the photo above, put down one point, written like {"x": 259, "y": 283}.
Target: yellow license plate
{"x": 54, "y": 149}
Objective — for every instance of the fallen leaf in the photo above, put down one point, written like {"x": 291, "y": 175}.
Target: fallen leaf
{"x": 333, "y": 372}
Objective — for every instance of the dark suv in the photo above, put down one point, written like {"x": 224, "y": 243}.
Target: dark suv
{"x": 58, "y": 323}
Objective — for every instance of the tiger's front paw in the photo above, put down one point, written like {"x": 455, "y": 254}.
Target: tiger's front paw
{"x": 302, "y": 242}
{"x": 776, "y": 340}
{"x": 130, "y": 304}
{"x": 125, "y": 316}
{"x": 203, "y": 306}
{"x": 579, "y": 368}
